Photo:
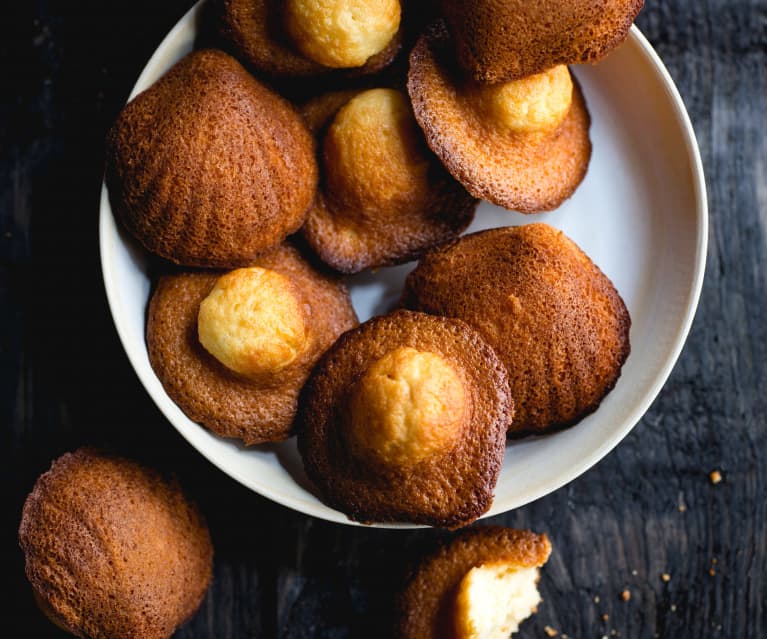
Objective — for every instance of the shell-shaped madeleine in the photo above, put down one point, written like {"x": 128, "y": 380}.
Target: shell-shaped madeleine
{"x": 554, "y": 318}
{"x": 499, "y": 40}
{"x": 524, "y": 145}
{"x": 233, "y": 350}
{"x": 208, "y": 167}
{"x": 113, "y": 549}
{"x": 384, "y": 198}
{"x": 404, "y": 419}
{"x": 259, "y": 33}
{"x": 433, "y": 603}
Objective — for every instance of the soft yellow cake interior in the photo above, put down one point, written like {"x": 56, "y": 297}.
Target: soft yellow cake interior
{"x": 493, "y": 599}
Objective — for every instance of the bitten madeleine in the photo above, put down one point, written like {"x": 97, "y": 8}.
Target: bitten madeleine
{"x": 481, "y": 585}
{"x": 208, "y": 167}
{"x": 113, "y": 550}
{"x": 384, "y": 197}
{"x": 523, "y": 145}
{"x": 500, "y": 40}
{"x": 404, "y": 419}
{"x": 234, "y": 349}
{"x": 305, "y": 38}
{"x": 555, "y": 320}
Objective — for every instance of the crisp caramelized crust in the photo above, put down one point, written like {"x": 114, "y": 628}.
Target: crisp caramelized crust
{"x": 113, "y": 550}
{"x": 253, "y": 322}
{"x": 499, "y": 142}
{"x": 342, "y": 33}
{"x": 258, "y": 32}
{"x": 409, "y": 405}
{"x": 500, "y": 40}
{"x": 384, "y": 196}
{"x": 260, "y": 408}
{"x": 374, "y": 428}
{"x": 553, "y": 317}
{"x": 208, "y": 167}
{"x": 449, "y": 593}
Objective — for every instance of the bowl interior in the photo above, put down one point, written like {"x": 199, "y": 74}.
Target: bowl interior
{"x": 640, "y": 215}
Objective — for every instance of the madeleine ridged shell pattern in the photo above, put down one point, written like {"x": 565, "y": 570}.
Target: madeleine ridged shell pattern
{"x": 208, "y": 167}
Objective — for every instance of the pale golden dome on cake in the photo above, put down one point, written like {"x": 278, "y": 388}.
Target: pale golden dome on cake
{"x": 499, "y": 40}
{"x": 407, "y": 406}
{"x": 113, "y": 550}
{"x": 342, "y": 33}
{"x": 253, "y": 322}
{"x": 534, "y": 104}
{"x": 479, "y": 585}
{"x": 208, "y": 167}
{"x": 552, "y": 316}
{"x": 523, "y": 145}
{"x": 384, "y": 197}
{"x": 404, "y": 420}
{"x": 374, "y": 154}
{"x": 310, "y": 38}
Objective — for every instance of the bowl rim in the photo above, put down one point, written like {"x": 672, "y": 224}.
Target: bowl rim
{"x": 556, "y": 481}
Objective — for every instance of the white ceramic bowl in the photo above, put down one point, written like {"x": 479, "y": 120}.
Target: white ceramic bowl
{"x": 640, "y": 214}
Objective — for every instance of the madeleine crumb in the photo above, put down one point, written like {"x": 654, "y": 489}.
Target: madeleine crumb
{"x": 712, "y": 572}
{"x": 626, "y": 595}
{"x": 605, "y": 617}
{"x": 715, "y": 476}
{"x": 550, "y": 631}
{"x": 665, "y": 577}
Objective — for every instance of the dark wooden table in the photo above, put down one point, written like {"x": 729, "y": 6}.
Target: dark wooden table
{"x": 649, "y": 508}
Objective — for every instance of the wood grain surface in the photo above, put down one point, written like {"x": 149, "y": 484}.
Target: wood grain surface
{"x": 649, "y": 508}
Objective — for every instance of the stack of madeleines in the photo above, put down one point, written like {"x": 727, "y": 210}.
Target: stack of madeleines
{"x": 318, "y": 122}
{"x": 327, "y": 138}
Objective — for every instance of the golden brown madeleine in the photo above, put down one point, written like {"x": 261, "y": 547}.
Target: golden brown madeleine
{"x": 481, "y": 584}
{"x": 555, "y": 320}
{"x": 305, "y": 38}
{"x": 384, "y": 197}
{"x": 112, "y": 549}
{"x": 523, "y": 145}
{"x": 404, "y": 420}
{"x": 208, "y": 167}
{"x": 500, "y": 40}
{"x": 234, "y": 349}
